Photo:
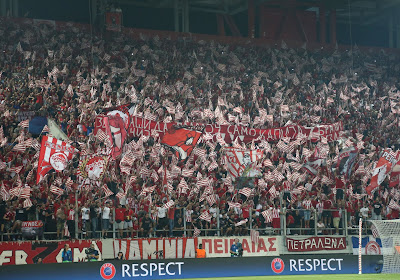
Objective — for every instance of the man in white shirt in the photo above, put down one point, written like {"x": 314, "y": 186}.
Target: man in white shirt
{"x": 162, "y": 220}
{"x": 105, "y": 219}
{"x": 85, "y": 210}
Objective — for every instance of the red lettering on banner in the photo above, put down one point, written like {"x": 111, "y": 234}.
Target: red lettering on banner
{"x": 139, "y": 126}
{"x": 261, "y": 246}
{"x": 157, "y": 248}
{"x": 271, "y": 244}
{"x": 245, "y": 246}
{"x": 315, "y": 244}
{"x": 205, "y": 241}
{"x": 12, "y": 253}
{"x": 218, "y": 246}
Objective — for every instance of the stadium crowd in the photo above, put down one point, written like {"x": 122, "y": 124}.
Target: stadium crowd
{"x": 71, "y": 76}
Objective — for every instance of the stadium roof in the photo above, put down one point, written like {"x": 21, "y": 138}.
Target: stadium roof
{"x": 363, "y": 12}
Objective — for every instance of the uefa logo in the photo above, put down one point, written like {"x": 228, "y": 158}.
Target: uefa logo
{"x": 277, "y": 265}
{"x": 107, "y": 271}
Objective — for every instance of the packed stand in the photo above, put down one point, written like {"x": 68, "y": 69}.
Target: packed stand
{"x": 71, "y": 77}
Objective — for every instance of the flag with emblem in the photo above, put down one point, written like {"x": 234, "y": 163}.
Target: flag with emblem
{"x": 243, "y": 162}
{"x": 181, "y": 140}
{"x": 382, "y": 169}
{"x": 54, "y": 155}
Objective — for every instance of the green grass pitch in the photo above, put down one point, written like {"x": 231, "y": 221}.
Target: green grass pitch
{"x": 311, "y": 277}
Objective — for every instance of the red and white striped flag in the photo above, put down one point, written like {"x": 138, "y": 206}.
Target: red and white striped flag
{"x": 27, "y": 203}
{"x": 16, "y": 192}
{"x": 26, "y": 192}
{"x": 187, "y": 172}
{"x": 24, "y": 124}
{"x": 3, "y": 165}
{"x": 246, "y": 192}
{"x": 120, "y": 195}
{"x": 4, "y": 193}
{"x": 56, "y": 190}
{"x": 196, "y": 232}
{"x": 267, "y": 215}
{"x": 19, "y": 147}
{"x": 374, "y": 231}
{"x": 234, "y": 204}
{"x": 106, "y": 191}
{"x": 212, "y": 166}
{"x": 242, "y": 222}
{"x": 211, "y": 199}
{"x": 254, "y": 236}
{"x": 45, "y": 129}
{"x": 169, "y": 204}
{"x": 16, "y": 169}
{"x": 394, "y": 205}
{"x": 68, "y": 184}
{"x": 206, "y": 216}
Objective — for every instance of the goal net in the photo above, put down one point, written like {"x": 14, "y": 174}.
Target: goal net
{"x": 389, "y": 233}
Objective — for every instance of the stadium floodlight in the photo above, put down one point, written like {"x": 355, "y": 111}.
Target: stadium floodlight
{"x": 389, "y": 233}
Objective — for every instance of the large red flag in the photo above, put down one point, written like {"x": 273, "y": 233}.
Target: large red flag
{"x": 181, "y": 140}
{"x": 382, "y": 169}
{"x": 54, "y": 154}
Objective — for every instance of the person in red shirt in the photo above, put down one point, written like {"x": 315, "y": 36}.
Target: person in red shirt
{"x": 327, "y": 215}
{"x": 128, "y": 220}
{"x": 171, "y": 219}
{"x": 120, "y": 213}
{"x": 135, "y": 228}
{"x": 245, "y": 210}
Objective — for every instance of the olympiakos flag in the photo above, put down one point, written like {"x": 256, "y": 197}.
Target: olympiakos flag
{"x": 382, "y": 169}
{"x": 92, "y": 166}
{"x": 115, "y": 125}
{"x": 346, "y": 160}
{"x": 395, "y": 175}
{"x": 54, "y": 154}
{"x": 181, "y": 140}
{"x": 243, "y": 162}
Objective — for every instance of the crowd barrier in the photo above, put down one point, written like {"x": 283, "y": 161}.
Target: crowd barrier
{"x": 198, "y": 268}
{"x": 284, "y": 230}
